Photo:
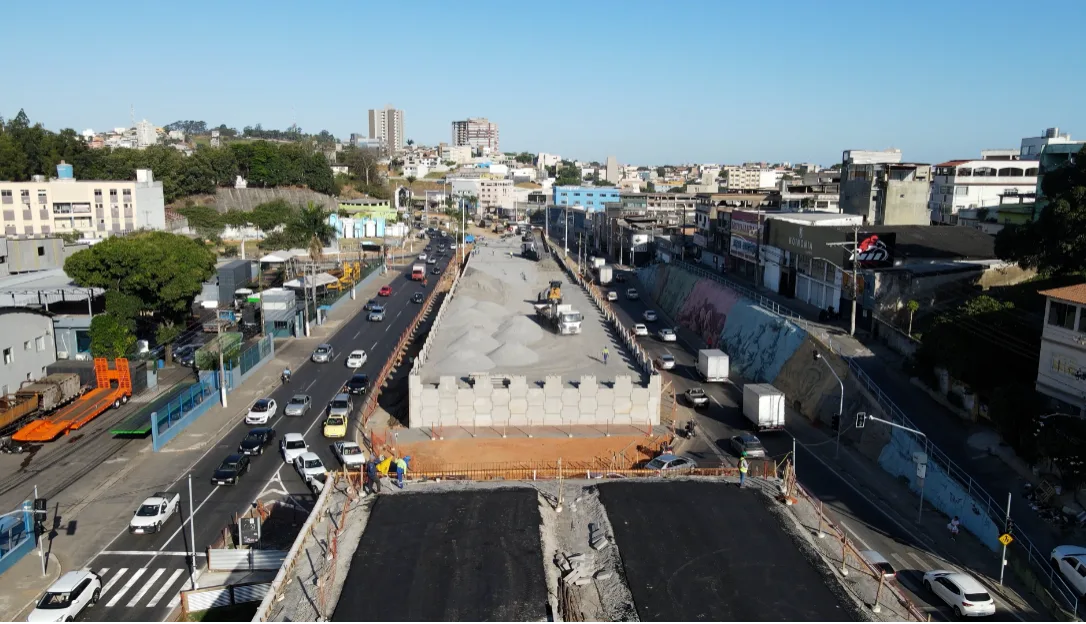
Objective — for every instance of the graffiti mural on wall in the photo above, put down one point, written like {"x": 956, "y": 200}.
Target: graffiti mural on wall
{"x": 759, "y": 342}
{"x": 706, "y": 310}
{"x": 674, "y": 286}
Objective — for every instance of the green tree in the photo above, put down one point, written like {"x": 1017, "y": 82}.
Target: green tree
{"x": 661, "y": 171}
{"x": 110, "y": 337}
{"x": 166, "y": 334}
{"x": 602, "y": 182}
{"x": 310, "y": 227}
{"x": 568, "y": 175}
{"x": 1056, "y": 242}
{"x": 525, "y": 158}
{"x": 126, "y": 309}
{"x": 912, "y": 306}
{"x": 411, "y": 179}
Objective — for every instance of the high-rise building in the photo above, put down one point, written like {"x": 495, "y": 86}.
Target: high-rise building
{"x": 611, "y": 171}
{"x": 146, "y": 134}
{"x": 386, "y": 125}
{"x": 479, "y": 133}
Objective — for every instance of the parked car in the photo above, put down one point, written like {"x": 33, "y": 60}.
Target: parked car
{"x": 323, "y": 354}
{"x": 370, "y": 304}
{"x": 299, "y": 405}
{"x": 641, "y": 330}
{"x": 386, "y": 291}
{"x": 261, "y": 412}
{"x": 185, "y": 355}
{"x": 666, "y": 361}
{"x": 649, "y": 315}
{"x": 349, "y": 454}
{"x": 696, "y": 397}
{"x": 667, "y": 334}
{"x": 612, "y": 295}
{"x": 356, "y": 359}
{"x": 377, "y": 313}
{"x": 1071, "y": 562}
{"x": 291, "y": 446}
{"x": 358, "y": 383}
{"x": 230, "y": 470}
{"x": 418, "y": 298}
{"x": 632, "y": 294}
{"x": 671, "y": 463}
{"x": 254, "y": 442}
{"x": 154, "y": 511}
{"x": 67, "y": 597}
{"x": 748, "y": 443}
{"x": 961, "y": 592}
{"x": 309, "y": 465}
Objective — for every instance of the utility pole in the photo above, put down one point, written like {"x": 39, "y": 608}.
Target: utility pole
{"x": 1007, "y": 528}
{"x": 565, "y": 237}
{"x": 841, "y": 405}
{"x": 192, "y": 534}
{"x": 855, "y": 285}
{"x": 222, "y": 366}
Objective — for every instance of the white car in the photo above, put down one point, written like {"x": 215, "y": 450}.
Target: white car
{"x": 641, "y": 330}
{"x": 154, "y": 512}
{"x": 67, "y": 597}
{"x": 612, "y": 295}
{"x": 422, "y": 257}
{"x": 961, "y": 592}
{"x": 668, "y": 335}
{"x": 261, "y": 412}
{"x": 431, "y": 260}
{"x": 292, "y": 446}
{"x": 1071, "y": 562}
{"x": 356, "y": 359}
{"x": 349, "y": 454}
{"x": 309, "y": 465}
{"x": 666, "y": 361}
{"x": 631, "y": 293}
{"x": 649, "y": 315}
{"x": 377, "y": 313}
{"x": 671, "y": 463}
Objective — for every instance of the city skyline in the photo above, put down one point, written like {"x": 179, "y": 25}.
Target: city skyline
{"x": 835, "y": 78}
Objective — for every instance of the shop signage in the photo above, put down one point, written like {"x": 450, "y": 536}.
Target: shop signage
{"x": 874, "y": 251}
{"x": 745, "y": 228}
{"x": 744, "y": 248}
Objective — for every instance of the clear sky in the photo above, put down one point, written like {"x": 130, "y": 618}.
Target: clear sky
{"x": 649, "y": 82}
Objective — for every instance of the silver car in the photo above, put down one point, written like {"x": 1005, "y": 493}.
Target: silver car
{"x": 324, "y": 353}
{"x": 377, "y": 313}
{"x": 299, "y": 405}
{"x": 749, "y": 444}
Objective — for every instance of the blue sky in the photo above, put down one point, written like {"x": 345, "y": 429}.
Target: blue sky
{"x": 649, "y": 82}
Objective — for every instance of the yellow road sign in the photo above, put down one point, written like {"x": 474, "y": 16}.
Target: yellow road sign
{"x": 1006, "y": 539}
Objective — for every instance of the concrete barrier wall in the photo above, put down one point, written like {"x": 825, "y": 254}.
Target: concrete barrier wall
{"x": 495, "y": 401}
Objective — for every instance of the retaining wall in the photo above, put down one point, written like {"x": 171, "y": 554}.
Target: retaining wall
{"x": 494, "y": 400}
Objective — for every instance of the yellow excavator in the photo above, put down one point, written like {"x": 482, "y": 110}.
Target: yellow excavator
{"x": 552, "y": 294}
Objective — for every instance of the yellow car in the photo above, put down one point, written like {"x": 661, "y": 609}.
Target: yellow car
{"x": 335, "y": 427}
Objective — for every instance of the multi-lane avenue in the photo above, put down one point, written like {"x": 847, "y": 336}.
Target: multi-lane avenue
{"x": 142, "y": 574}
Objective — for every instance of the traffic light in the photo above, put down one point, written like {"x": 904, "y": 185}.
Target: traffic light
{"x": 836, "y": 422}
{"x": 1009, "y": 529}
{"x": 41, "y": 510}
{"x": 861, "y": 418}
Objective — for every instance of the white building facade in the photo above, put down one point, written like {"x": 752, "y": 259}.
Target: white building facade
{"x": 1061, "y": 370}
{"x": 977, "y": 184}
{"x": 748, "y": 179}
{"x": 386, "y": 125}
{"x": 478, "y": 133}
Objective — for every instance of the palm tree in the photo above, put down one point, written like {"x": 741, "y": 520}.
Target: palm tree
{"x": 310, "y": 224}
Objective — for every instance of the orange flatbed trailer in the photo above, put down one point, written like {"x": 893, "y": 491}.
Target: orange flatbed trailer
{"x": 86, "y": 408}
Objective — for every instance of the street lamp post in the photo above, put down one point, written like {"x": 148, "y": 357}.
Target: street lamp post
{"x": 841, "y": 404}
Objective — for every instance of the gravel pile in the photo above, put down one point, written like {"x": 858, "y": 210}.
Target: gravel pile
{"x": 512, "y": 355}
{"x": 519, "y": 329}
{"x": 462, "y": 361}
{"x": 479, "y": 340}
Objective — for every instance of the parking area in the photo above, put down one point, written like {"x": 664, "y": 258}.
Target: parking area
{"x": 708, "y": 551}
{"x": 448, "y": 556}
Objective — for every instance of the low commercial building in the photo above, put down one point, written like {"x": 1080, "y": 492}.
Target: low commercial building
{"x": 368, "y": 207}
{"x": 592, "y": 198}
{"x": 92, "y": 208}
{"x": 972, "y": 184}
{"x": 26, "y": 346}
{"x": 884, "y": 190}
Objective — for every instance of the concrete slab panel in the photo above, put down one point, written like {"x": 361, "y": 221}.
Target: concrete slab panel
{"x": 571, "y": 396}
{"x": 535, "y": 396}
{"x": 518, "y": 407}
{"x": 622, "y": 405}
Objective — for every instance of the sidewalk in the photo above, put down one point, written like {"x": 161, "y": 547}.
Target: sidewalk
{"x": 113, "y": 488}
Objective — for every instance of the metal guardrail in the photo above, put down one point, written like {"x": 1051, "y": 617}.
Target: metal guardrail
{"x": 993, "y": 509}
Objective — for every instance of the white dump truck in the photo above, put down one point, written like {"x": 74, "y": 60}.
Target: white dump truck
{"x": 562, "y": 318}
{"x": 713, "y": 365}
{"x": 763, "y": 405}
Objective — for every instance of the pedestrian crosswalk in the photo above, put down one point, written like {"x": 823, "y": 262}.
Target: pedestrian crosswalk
{"x": 139, "y": 587}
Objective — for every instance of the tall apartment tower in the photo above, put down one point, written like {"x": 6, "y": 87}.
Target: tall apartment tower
{"x": 477, "y": 133}
{"x": 386, "y": 125}
{"x": 610, "y": 172}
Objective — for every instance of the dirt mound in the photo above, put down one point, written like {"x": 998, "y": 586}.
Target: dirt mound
{"x": 513, "y": 355}
{"x": 478, "y": 339}
{"x": 462, "y": 362}
{"x": 519, "y": 329}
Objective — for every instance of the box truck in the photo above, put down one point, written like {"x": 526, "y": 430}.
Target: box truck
{"x": 713, "y": 365}
{"x": 763, "y": 405}
{"x": 604, "y": 274}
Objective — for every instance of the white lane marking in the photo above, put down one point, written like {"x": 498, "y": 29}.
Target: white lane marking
{"x": 356, "y": 334}
{"x": 149, "y": 553}
{"x": 309, "y": 386}
{"x": 715, "y": 400}
{"x": 901, "y": 560}
{"x": 375, "y": 344}
{"x": 165, "y": 588}
{"x": 855, "y": 535}
{"x": 113, "y": 581}
{"x": 127, "y": 586}
{"x": 923, "y": 564}
{"x": 146, "y": 587}
{"x": 336, "y": 357}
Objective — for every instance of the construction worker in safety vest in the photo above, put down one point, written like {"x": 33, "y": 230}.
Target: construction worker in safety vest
{"x": 401, "y": 470}
{"x": 743, "y": 467}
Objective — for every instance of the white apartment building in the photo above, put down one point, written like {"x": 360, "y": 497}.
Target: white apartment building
{"x": 1033, "y": 146}
{"x": 386, "y": 125}
{"x": 750, "y": 179}
{"x": 490, "y": 192}
{"x": 94, "y": 208}
{"x": 611, "y": 170}
{"x": 478, "y": 133}
{"x": 974, "y": 184}
{"x": 146, "y": 134}
{"x": 455, "y": 153}
{"x": 547, "y": 160}
{"x": 416, "y": 170}
{"x": 1061, "y": 370}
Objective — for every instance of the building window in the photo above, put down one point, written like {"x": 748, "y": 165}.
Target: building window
{"x": 9, "y": 356}
{"x": 41, "y": 197}
{"x": 41, "y": 343}
{"x": 24, "y": 195}
{"x": 97, "y": 194}
{"x": 1061, "y": 315}
{"x": 113, "y": 195}
{"x": 5, "y": 197}
{"x": 26, "y": 346}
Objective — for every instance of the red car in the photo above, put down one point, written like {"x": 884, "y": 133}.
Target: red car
{"x": 386, "y": 291}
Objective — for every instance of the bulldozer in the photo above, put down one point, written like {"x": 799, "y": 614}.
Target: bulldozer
{"x": 552, "y": 294}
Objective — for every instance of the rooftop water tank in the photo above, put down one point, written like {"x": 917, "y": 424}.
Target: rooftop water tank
{"x": 64, "y": 171}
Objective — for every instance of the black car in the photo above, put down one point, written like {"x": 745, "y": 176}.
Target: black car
{"x": 255, "y": 441}
{"x": 230, "y": 470}
{"x": 185, "y": 355}
{"x": 620, "y": 278}
{"x": 428, "y": 249}
{"x": 370, "y": 304}
{"x": 417, "y": 298}
{"x": 358, "y": 383}
{"x": 436, "y": 270}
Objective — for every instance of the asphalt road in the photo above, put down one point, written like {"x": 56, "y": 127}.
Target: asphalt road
{"x": 469, "y": 556}
{"x": 724, "y": 559}
{"x": 870, "y": 524}
{"x": 143, "y": 573}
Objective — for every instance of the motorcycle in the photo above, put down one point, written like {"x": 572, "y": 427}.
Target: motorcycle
{"x": 9, "y": 447}
{"x": 284, "y": 378}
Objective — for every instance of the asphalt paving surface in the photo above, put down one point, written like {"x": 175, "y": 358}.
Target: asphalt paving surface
{"x": 142, "y": 573}
{"x": 452, "y": 557}
{"x": 707, "y": 551}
